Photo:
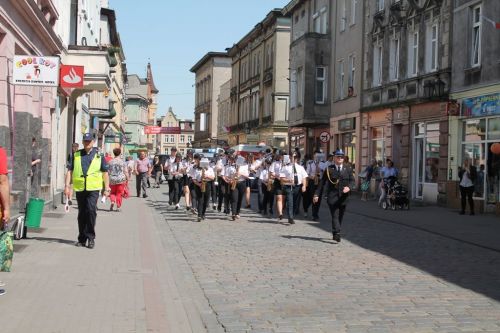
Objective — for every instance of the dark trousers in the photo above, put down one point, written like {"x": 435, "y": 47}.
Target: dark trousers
{"x": 268, "y": 198}
{"x": 194, "y": 194}
{"x": 87, "y": 214}
{"x": 141, "y": 182}
{"x": 292, "y": 193}
{"x": 175, "y": 196}
{"x": 307, "y": 197}
{"x": 466, "y": 194}
{"x": 228, "y": 198}
{"x": 202, "y": 199}
{"x": 213, "y": 192}
{"x": 337, "y": 209}
{"x": 221, "y": 193}
{"x": 171, "y": 191}
{"x": 260, "y": 194}
{"x": 237, "y": 197}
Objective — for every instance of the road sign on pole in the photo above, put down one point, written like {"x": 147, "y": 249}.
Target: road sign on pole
{"x": 324, "y": 137}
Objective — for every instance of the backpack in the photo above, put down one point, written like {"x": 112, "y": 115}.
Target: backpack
{"x": 6, "y": 251}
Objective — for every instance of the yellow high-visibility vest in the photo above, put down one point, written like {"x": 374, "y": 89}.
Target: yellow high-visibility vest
{"x": 93, "y": 180}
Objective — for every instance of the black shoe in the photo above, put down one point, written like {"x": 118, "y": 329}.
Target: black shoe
{"x": 78, "y": 244}
{"x": 70, "y": 202}
{"x": 280, "y": 217}
{"x": 271, "y": 212}
{"x": 91, "y": 244}
{"x": 249, "y": 206}
{"x": 461, "y": 213}
{"x": 144, "y": 195}
{"x": 138, "y": 195}
{"x": 233, "y": 217}
{"x": 203, "y": 217}
{"x": 336, "y": 237}
{"x": 291, "y": 221}
{"x": 199, "y": 218}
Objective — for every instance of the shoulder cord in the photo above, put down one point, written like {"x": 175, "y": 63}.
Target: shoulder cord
{"x": 328, "y": 174}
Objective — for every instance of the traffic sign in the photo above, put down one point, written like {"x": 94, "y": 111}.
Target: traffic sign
{"x": 324, "y": 137}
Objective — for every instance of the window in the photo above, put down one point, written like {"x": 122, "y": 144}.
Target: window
{"x": 394, "y": 60}
{"x": 476, "y": 36}
{"x": 182, "y": 139}
{"x": 172, "y": 139}
{"x": 324, "y": 20}
{"x": 377, "y": 149}
{"x": 341, "y": 82}
{"x": 352, "y": 71}
{"x": 377, "y": 65}
{"x": 190, "y": 138}
{"x": 431, "y": 60}
{"x": 320, "y": 21}
{"x": 354, "y": 3}
{"x": 380, "y": 5}
{"x": 413, "y": 54}
{"x": 293, "y": 89}
{"x": 300, "y": 86}
{"x": 316, "y": 23}
{"x": 203, "y": 122}
{"x": 320, "y": 85}
{"x": 343, "y": 18}
{"x": 166, "y": 138}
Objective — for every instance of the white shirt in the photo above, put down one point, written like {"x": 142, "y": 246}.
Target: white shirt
{"x": 275, "y": 169}
{"x": 288, "y": 175}
{"x": 197, "y": 172}
{"x": 243, "y": 173}
{"x": 314, "y": 167}
{"x": 256, "y": 167}
{"x": 466, "y": 181}
{"x": 174, "y": 168}
{"x": 264, "y": 175}
{"x": 228, "y": 171}
{"x": 170, "y": 160}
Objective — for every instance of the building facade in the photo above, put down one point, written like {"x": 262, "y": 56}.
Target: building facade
{"x": 182, "y": 141}
{"x": 153, "y": 106}
{"x": 475, "y": 107}
{"x": 347, "y": 52}
{"x": 224, "y": 109}
{"x": 406, "y": 82}
{"x": 136, "y": 114}
{"x": 211, "y": 72}
{"x": 259, "y": 85}
{"x": 310, "y": 77}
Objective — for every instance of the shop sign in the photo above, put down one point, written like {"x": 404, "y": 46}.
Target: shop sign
{"x": 36, "y": 71}
{"x": 481, "y": 106}
{"x": 347, "y": 124}
{"x": 161, "y": 130}
{"x": 71, "y": 76}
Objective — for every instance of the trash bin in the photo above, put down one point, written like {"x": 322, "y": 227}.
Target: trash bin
{"x": 34, "y": 212}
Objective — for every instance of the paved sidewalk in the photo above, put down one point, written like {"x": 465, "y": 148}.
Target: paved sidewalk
{"x": 134, "y": 280}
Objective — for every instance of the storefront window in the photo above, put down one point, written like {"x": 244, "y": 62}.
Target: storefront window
{"x": 378, "y": 152}
{"x": 477, "y": 143}
{"x": 349, "y": 147}
{"x": 425, "y": 157}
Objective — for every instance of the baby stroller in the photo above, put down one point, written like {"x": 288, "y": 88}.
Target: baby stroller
{"x": 396, "y": 195}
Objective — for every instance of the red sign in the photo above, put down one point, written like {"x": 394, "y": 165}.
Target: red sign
{"x": 324, "y": 137}
{"x": 161, "y": 130}
{"x": 71, "y": 76}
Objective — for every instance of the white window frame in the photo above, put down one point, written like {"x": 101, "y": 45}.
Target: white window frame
{"x": 293, "y": 89}
{"x": 476, "y": 44}
{"x": 380, "y": 5}
{"x": 378, "y": 54}
{"x": 172, "y": 138}
{"x": 323, "y": 20}
{"x": 341, "y": 79}
{"x": 322, "y": 80}
{"x": 182, "y": 139}
{"x": 352, "y": 71}
{"x": 434, "y": 47}
{"x": 413, "y": 54}
{"x": 394, "y": 59}
{"x": 354, "y": 3}
{"x": 316, "y": 23}
{"x": 190, "y": 139}
{"x": 343, "y": 18}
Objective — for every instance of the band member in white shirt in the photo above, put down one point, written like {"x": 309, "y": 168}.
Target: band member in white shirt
{"x": 315, "y": 169}
{"x": 186, "y": 180}
{"x": 175, "y": 170}
{"x": 213, "y": 184}
{"x": 253, "y": 165}
{"x": 293, "y": 179}
{"x": 266, "y": 184}
{"x": 231, "y": 179}
{"x": 202, "y": 174}
{"x": 171, "y": 186}
{"x": 278, "y": 190}
{"x": 223, "y": 185}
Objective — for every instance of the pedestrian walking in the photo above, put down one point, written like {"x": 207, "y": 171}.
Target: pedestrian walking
{"x": 315, "y": 170}
{"x": 468, "y": 175}
{"x": 366, "y": 177}
{"x": 267, "y": 184}
{"x": 389, "y": 174}
{"x": 74, "y": 148}
{"x": 130, "y": 166}
{"x": 187, "y": 164}
{"x": 4, "y": 198}
{"x": 275, "y": 171}
{"x": 202, "y": 174}
{"x": 170, "y": 178}
{"x": 157, "y": 171}
{"x": 175, "y": 170}
{"x": 293, "y": 178}
{"x": 336, "y": 184}
{"x": 213, "y": 184}
{"x": 118, "y": 178}
{"x": 252, "y": 166}
{"x": 89, "y": 172}
{"x": 142, "y": 172}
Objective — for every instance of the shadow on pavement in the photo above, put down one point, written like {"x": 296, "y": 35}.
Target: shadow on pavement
{"x": 459, "y": 263}
{"x": 318, "y": 239}
{"x": 53, "y": 240}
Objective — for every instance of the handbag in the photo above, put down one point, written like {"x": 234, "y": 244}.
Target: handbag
{"x": 364, "y": 186}
{"x": 126, "y": 191}
{"x": 6, "y": 251}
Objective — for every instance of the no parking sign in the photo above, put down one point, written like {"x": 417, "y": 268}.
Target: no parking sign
{"x": 324, "y": 137}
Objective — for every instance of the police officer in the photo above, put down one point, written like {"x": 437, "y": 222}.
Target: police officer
{"x": 89, "y": 171}
{"x": 336, "y": 184}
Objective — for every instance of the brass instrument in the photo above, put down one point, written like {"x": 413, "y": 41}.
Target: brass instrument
{"x": 203, "y": 181}
{"x": 270, "y": 181}
{"x": 234, "y": 181}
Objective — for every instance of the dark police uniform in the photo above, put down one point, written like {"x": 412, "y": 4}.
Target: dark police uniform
{"x": 334, "y": 179}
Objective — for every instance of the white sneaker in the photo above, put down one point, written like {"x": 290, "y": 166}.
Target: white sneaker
{"x": 177, "y": 206}
{"x": 2, "y": 284}
{"x": 2, "y": 292}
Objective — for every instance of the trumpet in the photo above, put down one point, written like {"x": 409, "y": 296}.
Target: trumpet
{"x": 203, "y": 181}
{"x": 269, "y": 182}
{"x": 234, "y": 181}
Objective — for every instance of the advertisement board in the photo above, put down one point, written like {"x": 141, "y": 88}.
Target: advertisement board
{"x": 71, "y": 76}
{"x": 161, "y": 130}
{"x": 481, "y": 106}
{"x": 36, "y": 71}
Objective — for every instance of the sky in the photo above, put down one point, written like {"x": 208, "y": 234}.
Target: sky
{"x": 174, "y": 34}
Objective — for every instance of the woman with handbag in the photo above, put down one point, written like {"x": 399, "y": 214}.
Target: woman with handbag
{"x": 468, "y": 175}
{"x": 118, "y": 179}
{"x": 157, "y": 171}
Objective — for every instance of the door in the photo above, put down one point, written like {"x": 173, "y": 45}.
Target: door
{"x": 418, "y": 167}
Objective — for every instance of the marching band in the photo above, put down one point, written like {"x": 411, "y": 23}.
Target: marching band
{"x": 280, "y": 180}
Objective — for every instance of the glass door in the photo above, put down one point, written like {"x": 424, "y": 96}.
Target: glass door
{"x": 418, "y": 168}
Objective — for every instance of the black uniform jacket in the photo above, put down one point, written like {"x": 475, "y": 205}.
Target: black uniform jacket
{"x": 329, "y": 185}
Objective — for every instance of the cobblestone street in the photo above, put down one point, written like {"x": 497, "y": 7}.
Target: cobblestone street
{"x": 262, "y": 276}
